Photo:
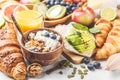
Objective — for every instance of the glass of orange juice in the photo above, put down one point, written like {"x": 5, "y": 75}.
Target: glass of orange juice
{"x": 29, "y": 19}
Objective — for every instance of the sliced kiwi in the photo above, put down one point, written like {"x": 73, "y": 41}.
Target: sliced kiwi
{"x": 56, "y": 12}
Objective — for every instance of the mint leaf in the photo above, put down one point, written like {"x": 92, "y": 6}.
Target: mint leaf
{"x": 94, "y": 30}
{"x": 79, "y": 26}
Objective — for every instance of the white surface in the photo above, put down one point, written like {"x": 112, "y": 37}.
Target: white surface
{"x": 92, "y": 75}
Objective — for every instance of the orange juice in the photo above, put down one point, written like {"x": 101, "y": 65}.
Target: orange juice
{"x": 29, "y": 19}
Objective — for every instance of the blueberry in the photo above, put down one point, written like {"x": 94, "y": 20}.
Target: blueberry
{"x": 52, "y": 2}
{"x": 97, "y": 65}
{"x": 45, "y": 33}
{"x": 56, "y": 2}
{"x": 74, "y": 5}
{"x": 86, "y": 60}
{"x": 47, "y": 1}
{"x": 34, "y": 50}
{"x": 48, "y": 5}
{"x": 67, "y": 4}
{"x": 90, "y": 66}
{"x": 68, "y": 7}
{"x": 73, "y": 8}
{"x": 67, "y": 13}
{"x": 63, "y": 3}
{"x": 53, "y": 36}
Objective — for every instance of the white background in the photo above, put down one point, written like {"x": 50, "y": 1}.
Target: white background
{"x": 92, "y": 75}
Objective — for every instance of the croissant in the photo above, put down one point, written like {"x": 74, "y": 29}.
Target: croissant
{"x": 104, "y": 26}
{"x": 11, "y": 58}
{"x": 112, "y": 44}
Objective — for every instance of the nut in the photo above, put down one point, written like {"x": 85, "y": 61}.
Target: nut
{"x": 34, "y": 69}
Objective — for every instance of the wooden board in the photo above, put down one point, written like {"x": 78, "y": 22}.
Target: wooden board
{"x": 74, "y": 58}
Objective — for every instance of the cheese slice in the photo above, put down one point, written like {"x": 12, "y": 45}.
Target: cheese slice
{"x": 95, "y": 4}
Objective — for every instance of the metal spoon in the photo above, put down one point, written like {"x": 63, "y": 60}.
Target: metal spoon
{"x": 18, "y": 28}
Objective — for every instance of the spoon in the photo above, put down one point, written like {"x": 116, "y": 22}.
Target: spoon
{"x": 18, "y": 28}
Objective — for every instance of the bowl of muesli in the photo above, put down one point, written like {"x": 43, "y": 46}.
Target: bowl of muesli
{"x": 42, "y": 45}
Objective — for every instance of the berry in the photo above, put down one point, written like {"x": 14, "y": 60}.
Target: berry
{"x": 68, "y": 7}
{"x": 73, "y": 8}
{"x": 34, "y": 50}
{"x": 86, "y": 60}
{"x": 97, "y": 65}
{"x": 47, "y": 1}
{"x": 45, "y": 33}
{"x": 53, "y": 36}
{"x": 90, "y": 66}
{"x": 52, "y": 2}
{"x": 56, "y": 2}
{"x": 74, "y": 5}
{"x": 67, "y": 13}
{"x": 48, "y": 5}
{"x": 63, "y": 3}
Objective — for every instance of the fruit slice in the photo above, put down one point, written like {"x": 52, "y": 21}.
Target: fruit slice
{"x": 2, "y": 22}
{"x": 7, "y": 2}
{"x": 108, "y": 13}
{"x": 40, "y": 7}
{"x": 7, "y": 11}
{"x": 56, "y": 12}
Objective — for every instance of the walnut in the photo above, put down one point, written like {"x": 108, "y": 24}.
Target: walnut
{"x": 34, "y": 69}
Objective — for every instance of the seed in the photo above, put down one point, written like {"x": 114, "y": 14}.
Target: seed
{"x": 82, "y": 76}
{"x": 70, "y": 65}
{"x": 85, "y": 70}
{"x": 80, "y": 72}
{"x": 85, "y": 73}
{"x": 61, "y": 72}
{"x": 82, "y": 66}
{"x": 74, "y": 68}
{"x": 70, "y": 76}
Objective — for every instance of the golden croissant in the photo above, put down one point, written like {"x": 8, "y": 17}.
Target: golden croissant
{"x": 112, "y": 44}
{"x": 11, "y": 58}
{"x": 104, "y": 26}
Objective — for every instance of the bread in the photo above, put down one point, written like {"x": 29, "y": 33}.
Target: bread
{"x": 105, "y": 27}
{"x": 11, "y": 58}
{"x": 112, "y": 44}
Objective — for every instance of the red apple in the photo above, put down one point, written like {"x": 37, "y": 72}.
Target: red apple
{"x": 83, "y": 16}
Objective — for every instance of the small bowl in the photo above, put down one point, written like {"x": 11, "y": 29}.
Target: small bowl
{"x": 51, "y": 23}
{"x": 44, "y": 58}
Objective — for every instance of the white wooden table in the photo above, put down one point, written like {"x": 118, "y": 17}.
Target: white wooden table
{"x": 92, "y": 75}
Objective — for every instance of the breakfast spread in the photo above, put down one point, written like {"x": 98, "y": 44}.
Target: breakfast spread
{"x": 81, "y": 36}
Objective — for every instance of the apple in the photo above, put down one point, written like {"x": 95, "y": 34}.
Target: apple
{"x": 84, "y": 16}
